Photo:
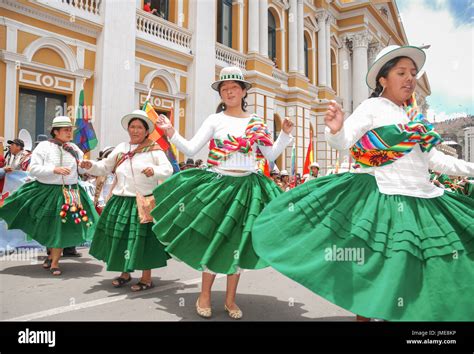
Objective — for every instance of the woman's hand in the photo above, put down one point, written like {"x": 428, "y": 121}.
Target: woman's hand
{"x": 334, "y": 117}
{"x": 148, "y": 172}
{"x": 287, "y": 125}
{"x": 63, "y": 171}
{"x": 87, "y": 165}
{"x": 165, "y": 124}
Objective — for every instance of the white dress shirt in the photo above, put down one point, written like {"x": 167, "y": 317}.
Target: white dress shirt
{"x": 130, "y": 182}
{"x": 408, "y": 175}
{"x": 47, "y": 156}
{"x": 219, "y": 126}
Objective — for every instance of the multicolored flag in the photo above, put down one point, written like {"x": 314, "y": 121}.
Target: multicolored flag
{"x": 171, "y": 152}
{"x": 84, "y": 134}
{"x": 264, "y": 167}
{"x": 309, "y": 156}
{"x": 160, "y": 137}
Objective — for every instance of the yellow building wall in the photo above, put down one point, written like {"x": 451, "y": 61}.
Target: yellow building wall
{"x": 47, "y": 26}
{"x": 24, "y": 39}
{"x": 182, "y": 126}
{"x": 159, "y": 84}
{"x": 182, "y": 85}
{"x": 161, "y": 61}
{"x": 89, "y": 60}
{"x": 49, "y": 57}
{"x": 186, "y": 13}
{"x": 3, "y": 37}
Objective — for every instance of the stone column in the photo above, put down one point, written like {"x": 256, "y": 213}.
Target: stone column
{"x": 202, "y": 102}
{"x": 322, "y": 56}
{"x": 345, "y": 74}
{"x": 115, "y": 58}
{"x": 293, "y": 37}
{"x": 253, "y": 30}
{"x": 360, "y": 91}
{"x": 263, "y": 15}
{"x": 328, "y": 50}
{"x": 300, "y": 36}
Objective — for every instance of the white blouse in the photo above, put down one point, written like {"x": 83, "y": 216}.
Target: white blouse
{"x": 219, "y": 126}
{"x": 46, "y": 156}
{"x": 128, "y": 183}
{"x": 408, "y": 175}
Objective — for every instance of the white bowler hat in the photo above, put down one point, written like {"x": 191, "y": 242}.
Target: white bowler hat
{"x": 388, "y": 53}
{"x": 284, "y": 173}
{"x": 231, "y": 73}
{"x": 61, "y": 122}
{"x": 138, "y": 113}
{"x": 314, "y": 164}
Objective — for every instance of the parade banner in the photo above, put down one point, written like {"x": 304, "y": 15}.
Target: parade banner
{"x": 14, "y": 180}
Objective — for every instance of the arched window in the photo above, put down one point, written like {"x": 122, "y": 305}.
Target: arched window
{"x": 306, "y": 61}
{"x": 334, "y": 71}
{"x": 272, "y": 40}
{"x": 224, "y": 22}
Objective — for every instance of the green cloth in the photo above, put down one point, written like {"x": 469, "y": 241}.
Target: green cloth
{"x": 205, "y": 219}
{"x": 402, "y": 258}
{"x": 122, "y": 242}
{"x": 34, "y": 208}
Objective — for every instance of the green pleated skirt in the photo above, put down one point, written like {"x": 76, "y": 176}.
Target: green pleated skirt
{"x": 34, "y": 208}
{"x": 382, "y": 256}
{"x": 205, "y": 219}
{"x": 122, "y": 242}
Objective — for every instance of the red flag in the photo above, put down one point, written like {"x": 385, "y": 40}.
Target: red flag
{"x": 309, "y": 156}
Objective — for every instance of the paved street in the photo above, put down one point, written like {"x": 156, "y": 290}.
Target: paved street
{"x": 84, "y": 292}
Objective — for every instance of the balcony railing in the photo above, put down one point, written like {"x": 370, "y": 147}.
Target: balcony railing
{"x": 156, "y": 29}
{"x": 229, "y": 57}
{"x": 87, "y": 9}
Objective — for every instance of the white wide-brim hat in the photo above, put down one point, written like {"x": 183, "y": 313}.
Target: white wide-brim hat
{"x": 314, "y": 164}
{"x": 138, "y": 113}
{"x": 388, "y": 53}
{"x": 231, "y": 73}
{"x": 284, "y": 173}
{"x": 61, "y": 122}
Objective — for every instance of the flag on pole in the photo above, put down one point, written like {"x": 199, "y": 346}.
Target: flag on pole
{"x": 264, "y": 167}
{"x": 171, "y": 152}
{"x": 159, "y": 136}
{"x": 309, "y": 156}
{"x": 84, "y": 134}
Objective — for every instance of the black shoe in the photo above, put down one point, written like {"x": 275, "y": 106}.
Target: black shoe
{"x": 71, "y": 252}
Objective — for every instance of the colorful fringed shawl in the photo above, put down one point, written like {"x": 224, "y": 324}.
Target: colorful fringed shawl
{"x": 256, "y": 132}
{"x": 384, "y": 145}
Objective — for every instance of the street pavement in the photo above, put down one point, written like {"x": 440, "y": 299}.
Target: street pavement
{"x": 84, "y": 293}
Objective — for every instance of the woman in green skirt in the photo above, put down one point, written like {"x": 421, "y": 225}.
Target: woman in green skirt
{"x": 205, "y": 217}
{"x": 53, "y": 210}
{"x": 124, "y": 239}
{"x": 380, "y": 241}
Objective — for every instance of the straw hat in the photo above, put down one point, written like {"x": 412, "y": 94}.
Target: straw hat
{"x": 388, "y": 53}
{"x": 61, "y": 122}
{"x": 231, "y": 73}
{"x": 138, "y": 113}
